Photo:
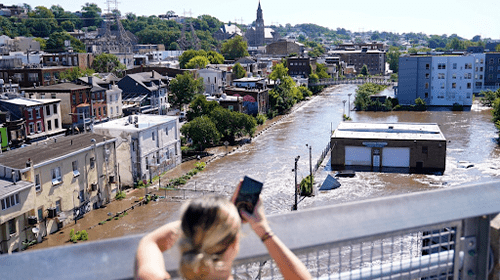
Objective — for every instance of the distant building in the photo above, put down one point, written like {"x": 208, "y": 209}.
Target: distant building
{"x": 259, "y": 35}
{"x": 76, "y": 102}
{"x": 285, "y": 47}
{"x": 81, "y": 60}
{"x": 227, "y": 31}
{"x": 299, "y": 66}
{"x": 373, "y": 59}
{"x": 112, "y": 96}
{"x": 214, "y": 79}
{"x": 46, "y": 186}
{"x": 147, "y": 90}
{"x": 232, "y": 103}
{"x": 438, "y": 80}
{"x": 34, "y": 75}
{"x": 254, "y": 92}
{"x": 400, "y": 147}
{"x": 146, "y": 144}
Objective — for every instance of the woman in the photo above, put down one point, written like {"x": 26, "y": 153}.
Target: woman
{"x": 209, "y": 234}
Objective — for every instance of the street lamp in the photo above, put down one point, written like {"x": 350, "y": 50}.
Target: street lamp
{"x": 310, "y": 165}
{"x": 349, "y": 106}
{"x": 294, "y": 207}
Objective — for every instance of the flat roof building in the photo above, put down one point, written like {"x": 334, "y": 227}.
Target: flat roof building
{"x": 403, "y": 147}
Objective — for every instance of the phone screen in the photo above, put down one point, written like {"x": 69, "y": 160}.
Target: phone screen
{"x": 248, "y": 194}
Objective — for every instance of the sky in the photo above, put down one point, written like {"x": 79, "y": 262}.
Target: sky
{"x": 464, "y": 18}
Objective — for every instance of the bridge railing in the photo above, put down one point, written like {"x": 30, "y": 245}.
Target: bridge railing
{"x": 357, "y": 81}
{"x": 441, "y": 234}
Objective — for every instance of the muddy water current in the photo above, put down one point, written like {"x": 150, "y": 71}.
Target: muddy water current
{"x": 270, "y": 158}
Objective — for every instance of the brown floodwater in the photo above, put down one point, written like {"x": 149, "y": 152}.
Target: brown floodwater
{"x": 270, "y": 157}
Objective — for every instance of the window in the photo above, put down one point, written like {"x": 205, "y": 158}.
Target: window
{"x": 31, "y": 127}
{"x": 40, "y": 214}
{"x": 49, "y": 125}
{"x": 442, "y": 85}
{"x": 76, "y": 173}
{"x": 39, "y": 127}
{"x": 38, "y": 184}
{"x": 469, "y": 85}
{"x": 469, "y": 75}
{"x": 454, "y": 66}
{"x": 117, "y": 111}
{"x": 481, "y": 69}
{"x": 47, "y": 110}
{"x": 56, "y": 123}
{"x": 454, "y": 76}
{"x": 426, "y": 95}
{"x": 230, "y": 108}
{"x": 10, "y": 201}
{"x": 54, "y": 108}
{"x": 453, "y": 85}
{"x": 427, "y": 75}
{"x": 425, "y": 149}
{"x": 12, "y": 226}
{"x": 58, "y": 206}
{"x": 30, "y": 114}
{"x": 440, "y": 75}
{"x": 153, "y": 135}
{"x": 104, "y": 111}
{"x": 441, "y": 66}
{"x": 56, "y": 176}
{"x": 427, "y": 66}
{"x": 73, "y": 98}
{"x": 81, "y": 97}
{"x": 111, "y": 111}
{"x": 99, "y": 110}
{"x": 166, "y": 130}
{"x": 82, "y": 196}
{"x": 92, "y": 162}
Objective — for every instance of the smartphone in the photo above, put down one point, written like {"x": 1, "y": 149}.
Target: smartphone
{"x": 248, "y": 195}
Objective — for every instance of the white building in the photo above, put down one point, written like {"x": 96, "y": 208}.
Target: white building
{"x": 452, "y": 78}
{"x": 213, "y": 79}
{"x": 146, "y": 145}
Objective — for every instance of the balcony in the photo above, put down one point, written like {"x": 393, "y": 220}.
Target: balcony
{"x": 442, "y": 234}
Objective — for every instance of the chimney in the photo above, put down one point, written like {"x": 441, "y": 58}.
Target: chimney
{"x": 152, "y": 73}
{"x": 14, "y": 177}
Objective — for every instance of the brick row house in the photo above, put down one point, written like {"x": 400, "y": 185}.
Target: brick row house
{"x": 79, "y": 105}
{"x": 42, "y": 116}
{"x": 254, "y": 92}
{"x": 50, "y": 184}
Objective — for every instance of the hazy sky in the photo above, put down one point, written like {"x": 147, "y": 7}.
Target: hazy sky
{"x": 465, "y": 18}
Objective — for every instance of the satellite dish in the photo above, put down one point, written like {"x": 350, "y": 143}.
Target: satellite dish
{"x": 35, "y": 230}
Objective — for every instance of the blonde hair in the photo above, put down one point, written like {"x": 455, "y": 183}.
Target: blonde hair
{"x": 210, "y": 226}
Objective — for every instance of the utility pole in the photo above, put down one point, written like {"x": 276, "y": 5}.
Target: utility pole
{"x": 310, "y": 164}
{"x": 294, "y": 208}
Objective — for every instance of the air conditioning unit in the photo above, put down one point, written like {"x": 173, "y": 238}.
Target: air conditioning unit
{"x": 112, "y": 179}
{"x": 93, "y": 187}
{"x": 52, "y": 212}
{"x": 32, "y": 220}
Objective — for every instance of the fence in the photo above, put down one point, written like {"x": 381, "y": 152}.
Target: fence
{"x": 321, "y": 157}
{"x": 440, "y": 234}
{"x": 355, "y": 81}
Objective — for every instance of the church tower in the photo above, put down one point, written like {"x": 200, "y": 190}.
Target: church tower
{"x": 259, "y": 28}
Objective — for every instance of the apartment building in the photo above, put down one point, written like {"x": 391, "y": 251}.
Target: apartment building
{"x": 438, "y": 80}
{"x": 373, "y": 59}
{"x": 146, "y": 145}
{"x": 50, "y": 184}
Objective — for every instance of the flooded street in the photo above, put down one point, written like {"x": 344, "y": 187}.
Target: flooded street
{"x": 270, "y": 158}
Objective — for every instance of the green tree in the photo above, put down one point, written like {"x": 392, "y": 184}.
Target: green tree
{"x": 68, "y": 26}
{"x": 56, "y": 42}
{"x": 41, "y": 22}
{"x": 184, "y": 88}
{"x": 197, "y": 62}
{"x": 285, "y": 94}
{"x": 393, "y": 59}
{"x": 321, "y": 71}
{"x": 238, "y": 71}
{"x": 215, "y": 57}
{"x": 91, "y": 15}
{"x": 108, "y": 63}
{"x": 364, "y": 70}
{"x": 74, "y": 73}
{"x": 234, "y": 48}
{"x": 188, "y": 55}
{"x": 202, "y": 132}
{"x": 200, "y": 107}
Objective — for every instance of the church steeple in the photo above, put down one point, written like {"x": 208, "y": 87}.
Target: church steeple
{"x": 259, "y": 12}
